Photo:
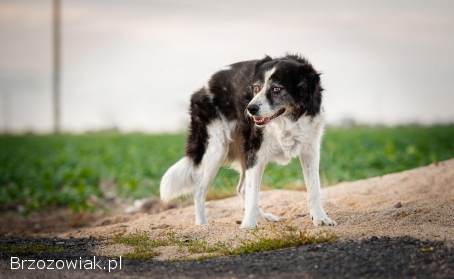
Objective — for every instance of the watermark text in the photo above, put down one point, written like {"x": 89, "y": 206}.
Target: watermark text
{"x": 92, "y": 263}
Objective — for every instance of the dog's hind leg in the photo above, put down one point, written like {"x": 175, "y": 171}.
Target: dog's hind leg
{"x": 213, "y": 159}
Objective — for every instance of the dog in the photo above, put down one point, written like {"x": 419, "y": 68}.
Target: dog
{"x": 248, "y": 114}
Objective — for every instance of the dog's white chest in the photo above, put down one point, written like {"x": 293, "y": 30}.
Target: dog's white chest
{"x": 285, "y": 139}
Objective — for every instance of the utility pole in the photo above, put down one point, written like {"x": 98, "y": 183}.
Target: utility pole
{"x": 5, "y": 111}
{"x": 56, "y": 57}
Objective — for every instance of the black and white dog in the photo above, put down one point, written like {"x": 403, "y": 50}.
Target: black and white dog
{"x": 248, "y": 114}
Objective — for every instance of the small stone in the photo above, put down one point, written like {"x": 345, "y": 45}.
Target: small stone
{"x": 238, "y": 222}
{"x": 398, "y": 205}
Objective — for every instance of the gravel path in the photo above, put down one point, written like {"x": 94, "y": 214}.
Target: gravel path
{"x": 383, "y": 257}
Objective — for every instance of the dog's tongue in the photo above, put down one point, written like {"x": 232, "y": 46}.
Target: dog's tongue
{"x": 261, "y": 120}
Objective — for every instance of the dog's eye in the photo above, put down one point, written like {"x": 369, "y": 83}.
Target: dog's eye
{"x": 256, "y": 88}
{"x": 276, "y": 89}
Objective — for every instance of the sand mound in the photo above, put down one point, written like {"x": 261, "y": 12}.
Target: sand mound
{"x": 418, "y": 203}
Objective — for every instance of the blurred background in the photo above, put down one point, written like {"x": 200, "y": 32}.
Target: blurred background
{"x": 132, "y": 65}
{"x": 114, "y": 78}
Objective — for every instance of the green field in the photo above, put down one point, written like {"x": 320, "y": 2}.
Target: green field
{"x": 66, "y": 170}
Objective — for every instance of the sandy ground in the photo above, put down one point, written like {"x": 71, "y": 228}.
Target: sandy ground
{"x": 417, "y": 203}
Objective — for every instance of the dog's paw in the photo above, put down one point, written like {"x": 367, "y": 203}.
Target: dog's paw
{"x": 320, "y": 218}
{"x": 248, "y": 226}
{"x": 323, "y": 221}
{"x": 271, "y": 217}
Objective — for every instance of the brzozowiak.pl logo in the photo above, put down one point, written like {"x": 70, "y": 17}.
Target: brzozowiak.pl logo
{"x": 92, "y": 263}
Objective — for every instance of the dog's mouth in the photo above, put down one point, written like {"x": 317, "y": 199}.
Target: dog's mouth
{"x": 263, "y": 120}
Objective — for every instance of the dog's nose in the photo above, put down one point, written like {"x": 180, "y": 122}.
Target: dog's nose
{"x": 253, "y": 109}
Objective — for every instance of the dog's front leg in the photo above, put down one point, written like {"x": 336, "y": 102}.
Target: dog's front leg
{"x": 310, "y": 158}
{"x": 252, "y": 182}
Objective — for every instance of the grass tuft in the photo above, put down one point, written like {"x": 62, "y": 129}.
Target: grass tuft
{"x": 144, "y": 246}
{"x": 139, "y": 239}
{"x": 141, "y": 253}
{"x": 283, "y": 240}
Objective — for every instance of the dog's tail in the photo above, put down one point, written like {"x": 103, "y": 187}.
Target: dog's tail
{"x": 178, "y": 180}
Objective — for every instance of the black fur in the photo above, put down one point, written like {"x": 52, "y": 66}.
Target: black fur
{"x": 202, "y": 111}
{"x": 229, "y": 92}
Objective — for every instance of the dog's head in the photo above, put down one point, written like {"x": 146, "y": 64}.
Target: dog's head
{"x": 287, "y": 86}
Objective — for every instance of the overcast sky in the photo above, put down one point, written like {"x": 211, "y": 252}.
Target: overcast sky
{"x": 133, "y": 64}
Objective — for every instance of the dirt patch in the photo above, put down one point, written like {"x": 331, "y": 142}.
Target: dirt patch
{"x": 417, "y": 203}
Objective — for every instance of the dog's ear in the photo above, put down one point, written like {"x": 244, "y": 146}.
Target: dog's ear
{"x": 261, "y": 62}
{"x": 310, "y": 90}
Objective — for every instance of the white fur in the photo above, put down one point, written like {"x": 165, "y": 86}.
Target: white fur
{"x": 178, "y": 180}
{"x": 251, "y": 198}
